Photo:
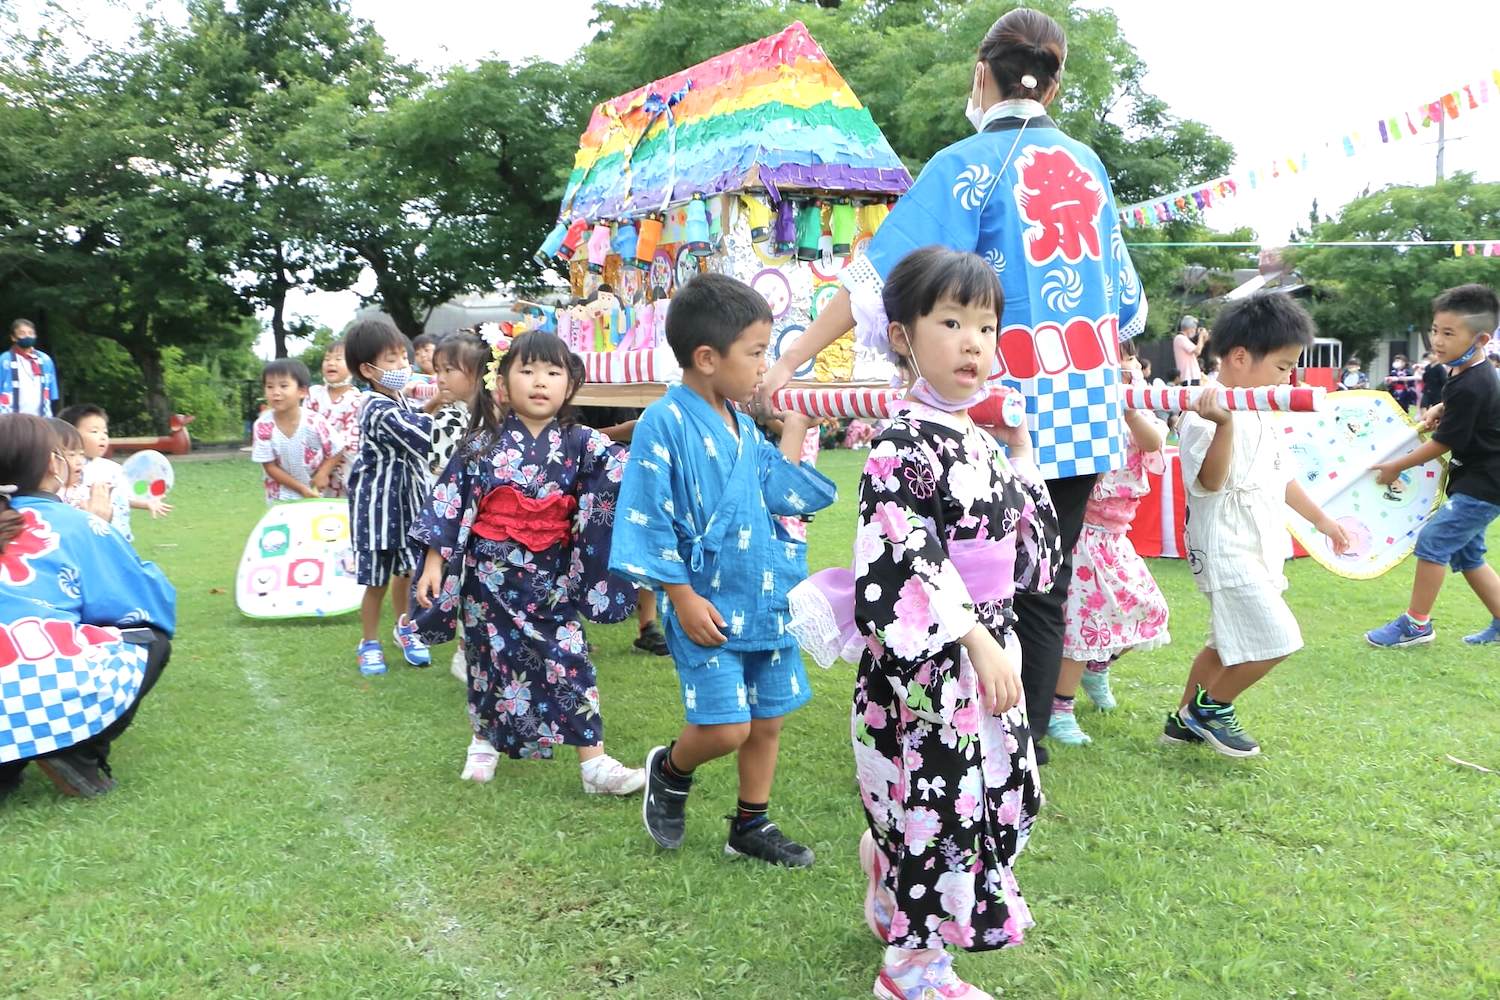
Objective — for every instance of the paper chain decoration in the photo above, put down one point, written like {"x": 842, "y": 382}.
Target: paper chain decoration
{"x": 1334, "y": 450}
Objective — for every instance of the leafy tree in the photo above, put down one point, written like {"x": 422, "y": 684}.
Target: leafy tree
{"x": 1370, "y": 294}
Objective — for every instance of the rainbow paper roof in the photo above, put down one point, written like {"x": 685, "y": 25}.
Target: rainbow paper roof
{"x": 772, "y": 114}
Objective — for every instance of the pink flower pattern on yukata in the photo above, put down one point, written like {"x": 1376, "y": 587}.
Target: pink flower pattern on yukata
{"x": 949, "y": 791}
{"x": 1114, "y": 604}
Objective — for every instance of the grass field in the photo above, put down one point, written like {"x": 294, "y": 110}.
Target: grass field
{"x": 285, "y": 828}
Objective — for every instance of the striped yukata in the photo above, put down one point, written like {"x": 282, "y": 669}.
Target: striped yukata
{"x": 386, "y": 488}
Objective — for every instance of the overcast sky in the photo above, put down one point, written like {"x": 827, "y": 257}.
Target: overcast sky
{"x": 1277, "y": 78}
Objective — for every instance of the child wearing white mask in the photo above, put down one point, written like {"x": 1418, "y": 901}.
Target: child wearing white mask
{"x": 386, "y": 488}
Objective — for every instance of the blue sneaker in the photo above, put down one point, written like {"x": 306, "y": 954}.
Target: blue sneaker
{"x": 1487, "y": 637}
{"x": 1096, "y": 686}
{"x": 1216, "y": 723}
{"x": 412, "y": 646}
{"x": 1401, "y": 632}
{"x": 371, "y": 658}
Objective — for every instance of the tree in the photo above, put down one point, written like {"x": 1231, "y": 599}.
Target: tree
{"x": 1369, "y": 294}
{"x": 107, "y": 228}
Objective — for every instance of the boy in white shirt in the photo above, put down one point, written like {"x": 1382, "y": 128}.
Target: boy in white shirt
{"x": 93, "y": 426}
{"x": 298, "y": 449}
{"x": 1240, "y": 483}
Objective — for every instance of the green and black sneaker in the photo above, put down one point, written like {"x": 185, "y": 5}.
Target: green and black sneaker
{"x": 1174, "y": 733}
{"x": 1216, "y": 723}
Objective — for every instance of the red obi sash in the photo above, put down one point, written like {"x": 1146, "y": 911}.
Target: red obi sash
{"x": 539, "y": 524}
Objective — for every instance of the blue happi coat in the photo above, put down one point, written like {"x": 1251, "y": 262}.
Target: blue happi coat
{"x": 697, "y": 507}
{"x": 1037, "y": 205}
{"x": 68, "y": 583}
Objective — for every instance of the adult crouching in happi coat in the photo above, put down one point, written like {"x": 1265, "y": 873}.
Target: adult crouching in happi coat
{"x": 1037, "y": 205}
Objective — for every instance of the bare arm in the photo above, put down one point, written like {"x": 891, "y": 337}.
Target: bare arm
{"x": 794, "y": 428}
{"x": 834, "y": 320}
{"x": 1145, "y": 432}
{"x": 285, "y": 478}
{"x": 1388, "y": 472}
{"x": 1299, "y": 501}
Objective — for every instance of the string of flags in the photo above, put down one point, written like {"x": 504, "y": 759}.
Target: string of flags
{"x": 1488, "y": 249}
{"x": 1473, "y": 96}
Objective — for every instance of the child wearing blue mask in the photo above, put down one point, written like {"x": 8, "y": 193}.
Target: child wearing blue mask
{"x": 386, "y": 487}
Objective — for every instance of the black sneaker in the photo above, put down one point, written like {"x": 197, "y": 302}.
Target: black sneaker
{"x": 664, "y": 804}
{"x": 1217, "y": 725}
{"x": 765, "y": 842}
{"x": 652, "y": 640}
{"x": 78, "y": 774}
{"x": 1174, "y": 733}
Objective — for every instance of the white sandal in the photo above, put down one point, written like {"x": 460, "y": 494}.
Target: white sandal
{"x": 479, "y": 765}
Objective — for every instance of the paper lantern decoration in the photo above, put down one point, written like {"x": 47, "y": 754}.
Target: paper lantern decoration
{"x": 784, "y": 234}
{"x": 646, "y": 241}
{"x": 599, "y": 247}
{"x": 843, "y": 224}
{"x": 759, "y": 215}
{"x": 149, "y": 474}
{"x": 809, "y": 231}
{"x": 716, "y": 212}
{"x": 624, "y": 242}
{"x": 872, "y": 216}
{"x": 298, "y": 563}
{"x": 572, "y": 238}
{"x": 551, "y": 245}
{"x": 696, "y": 239}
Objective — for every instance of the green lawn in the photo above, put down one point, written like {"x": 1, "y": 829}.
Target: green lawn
{"x": 285, "y": 828}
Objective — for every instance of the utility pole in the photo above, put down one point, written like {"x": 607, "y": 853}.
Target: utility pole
{"x": 1441, "y": 128}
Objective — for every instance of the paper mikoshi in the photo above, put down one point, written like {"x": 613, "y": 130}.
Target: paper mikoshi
{"x": 760, "y": 163}
{"x": 299, "y": 563}
{"x": 1333, "y": 450}
{"x": 149, "y": 474}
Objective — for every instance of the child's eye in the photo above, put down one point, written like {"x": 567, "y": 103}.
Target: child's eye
{"x": 951, "y": 324}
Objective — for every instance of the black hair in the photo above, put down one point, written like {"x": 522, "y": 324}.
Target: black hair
{"x": 75, "y": 413}
{"x": 26, "y": 447}
{"x": 424, "y": 339}
{"x": 286, "y": 368}
{"x": 1477, "y": 304}
{"x": 16, "y": 324}
{"x": 1022, "y": 42}
{"x": 466, "y": 352}
{"x": 529, "y": 348}
{"x": 603, "y": 289}
{"x": 67, "y": 435}
{"x": 1262, "y": 323}
{"x": 367, "y": 340}
{"x": 712, "y": 310}
{"x": 926, "y": 276}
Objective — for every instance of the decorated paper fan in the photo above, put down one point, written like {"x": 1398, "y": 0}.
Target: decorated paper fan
{"x": 299, "y": 563}
{"x": 149, "y": 474}
{"x": 1334, "y": 449}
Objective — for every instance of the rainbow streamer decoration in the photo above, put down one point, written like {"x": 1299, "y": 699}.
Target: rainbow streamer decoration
{"x": 772, "y": 114}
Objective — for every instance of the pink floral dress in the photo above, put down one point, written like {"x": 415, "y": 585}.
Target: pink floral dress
{"x": 950, "y": 791}
{"x": 1114, "y": 603}
{"x": 795, "y": 526}
{"x": 343, "y": 416}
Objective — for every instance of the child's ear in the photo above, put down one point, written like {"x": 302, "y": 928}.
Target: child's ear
{"x": 896, "y": 334}
{"x": 705, "y": 359}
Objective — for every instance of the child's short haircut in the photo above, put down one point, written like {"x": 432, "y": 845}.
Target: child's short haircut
{"x": 286, "y": 368}
{"x": 75, "y": 413}
{"x": 1477, "y": 304}
{"x": 712, "y": 310}
{"x": 68, "y": 438}
{"x": 1262, "y": 323}
{"x": 924, "y": 276}
{"x": 368, "y": 339}
{"x": 423, "y": 340}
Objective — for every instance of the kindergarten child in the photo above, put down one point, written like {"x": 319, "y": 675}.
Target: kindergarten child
{"x": 459, "y": 362}
{"x": 949, "y": 528}
{"x": 1114, "y": 605}
{"x": 1240, "y": 483}
{"x": 1466, "y": 423}
{"x": 696, "y": 520}
{"x": 93, "y": 426}
{"x": 386, "y": 488}
{"x": 95, "y": 499}
{"x": 337, "y": 401}
{"x": 295, "y": 446}
{"x": 517, "y": 535}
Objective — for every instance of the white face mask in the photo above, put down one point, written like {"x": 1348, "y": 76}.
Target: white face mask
{"x": 394, "y": 380}
{"x": 973, "y": 111}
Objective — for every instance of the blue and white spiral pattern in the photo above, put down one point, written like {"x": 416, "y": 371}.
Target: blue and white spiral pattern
{"x": 1130, "y": 285}
{"x": 973, "y": 185}
{"x": 1062, "y": 289}
{"x": 996, "y": 260}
